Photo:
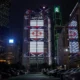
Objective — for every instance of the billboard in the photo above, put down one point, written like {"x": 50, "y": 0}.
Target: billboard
{"x": 74, "y": 47}
{"x": 36, "y": 23}
{"x": 73, "y": 23}
{"x": 36, "y": 47}
{"x": 73, "y": 37}
{"x": 73, "y": 34}
{"x": 36, "y": 33}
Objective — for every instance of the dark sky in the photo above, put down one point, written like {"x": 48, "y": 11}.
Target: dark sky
{"x": 18, "y": 8}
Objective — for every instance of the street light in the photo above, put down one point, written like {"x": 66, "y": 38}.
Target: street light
{"x": 44, "y": 7}
{"x": 55, "y": 58}
{"x": 66, "y": 50}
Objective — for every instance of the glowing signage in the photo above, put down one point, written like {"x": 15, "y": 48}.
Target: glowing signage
{"x": 73, "y": 33}
{"x": 74, "y": 47}
{"x": 36, "y": 23}
{"x": 36, "y": 33}
{"x": 11, "y": 41}
{"x": 36, "y": 47}
{"x": 73, "y": 23}
{"x": 57, "y": 9}
{"x": 73, "y": 37}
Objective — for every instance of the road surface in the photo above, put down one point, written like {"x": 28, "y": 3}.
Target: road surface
{"x": 32, "y": 76}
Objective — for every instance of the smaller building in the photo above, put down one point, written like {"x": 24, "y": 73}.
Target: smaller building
{"x": 13, "y": 52}
{"x": 62, "y": 47}
{"x": 2, "y": 51}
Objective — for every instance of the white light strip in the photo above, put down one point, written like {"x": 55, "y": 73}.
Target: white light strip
{"x": 74, "y": 9}
{"x": 49, "y": 42}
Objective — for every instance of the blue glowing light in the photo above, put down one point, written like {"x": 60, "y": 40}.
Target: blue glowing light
{"x": 11, "y": 41}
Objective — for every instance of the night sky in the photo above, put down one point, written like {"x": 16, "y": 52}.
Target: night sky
{"x": 18, "y": 8}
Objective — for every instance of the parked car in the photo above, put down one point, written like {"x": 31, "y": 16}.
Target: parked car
{"x": 44, "y": 71}
{"x": 5, "y": 75}
{"x": 21, "y": 72}
{"x": 60, "y": 72}
{"x": 67, "y": 73}
{"x": 75, "y": 74}
{"x": 52, "y": 72}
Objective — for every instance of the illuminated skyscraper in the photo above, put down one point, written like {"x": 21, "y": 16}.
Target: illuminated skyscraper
{"x": 37, "y": 37}
{"x": 57, "y": 29}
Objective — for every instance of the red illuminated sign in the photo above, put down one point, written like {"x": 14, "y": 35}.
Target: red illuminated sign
{"x": 36, "y": 33}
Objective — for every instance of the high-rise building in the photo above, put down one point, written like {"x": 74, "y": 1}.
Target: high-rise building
{"x": 4, "y": 12}
{"x": 69, "y": 41}
{"x": 57, "y": 30}
{"x": 4, "y": 30}
{"x": 36, "y": 38}
{"x": 73, "y": 35}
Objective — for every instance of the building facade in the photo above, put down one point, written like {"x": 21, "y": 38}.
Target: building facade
{"x": 12, "y": 52}
{"x": 37, "y": 38}
{"x": 70, "y": 39}
{"x": 57, "y": 20}
{"x": 73, "y": 35}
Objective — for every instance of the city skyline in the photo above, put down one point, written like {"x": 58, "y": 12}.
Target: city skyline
{"x": 18, "y": 8}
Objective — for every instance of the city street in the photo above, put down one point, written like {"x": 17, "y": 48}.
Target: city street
{"x": 37, "y": 76}
{"x": 39, "y": 39}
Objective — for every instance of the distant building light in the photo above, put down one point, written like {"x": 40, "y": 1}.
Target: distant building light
{"x": 56, "y": 9}
{"x": 11, "y": 41}
{"x": 66, "y": 50}
{"x": 43, "y": 7}
{"x": 55, "y": 58}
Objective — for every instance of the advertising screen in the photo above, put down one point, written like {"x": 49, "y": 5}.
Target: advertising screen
{"x": 74, "y": 47}
{"x": 73, "y": 37}
{"x": 36, "y": 23}
{"x": 36, "y": 33}
{"x": 73, "y": 33}
{"x": 36, "y": 47}
{"x": 73, "y": 23}
{"x": 33, "y": 23}
{"x": 40, "y": 22}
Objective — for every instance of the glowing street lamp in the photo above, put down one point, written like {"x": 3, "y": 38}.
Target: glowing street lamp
{"x": 66, "y": 50}
{"x": 44, "y": 7}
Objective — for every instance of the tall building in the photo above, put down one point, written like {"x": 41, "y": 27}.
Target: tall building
{"x": 4, "y": 18}
{"x": 69, "y": 40}
{"x": 4, "y": 30}
{"x": 57, "y": 19}
{"x": 73, "y": 35}
{"x": 4, "y": 12}
{"x": 37, "y": 38}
